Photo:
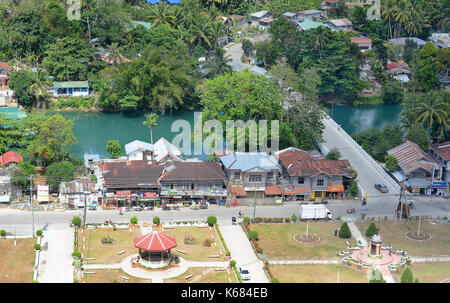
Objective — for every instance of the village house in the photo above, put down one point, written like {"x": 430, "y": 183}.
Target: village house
{"x": 78, "y": 193}
{"x": 70, "y": 88}
{"x": 6, "y": 94}
{"x": 122, "y": 182}
{"x": 418, "y": 167}
{"x": 250, "y": 173}
{"x": 192, "y": 181}
{"x": 311, "y": 176}
{"x": 166, "y": 1}
{"x": 309, "y": 24}
{"x": 266, "y": 23}
{"x": 441, "y": 153}
{"x": 398, "y": 71}
{"x": 89, "y": 160}
{"x": 240, "y": 20}
{"x": 402, "y": 41}
{"x": 310, "y": 14}
{"x": 255, "y": 18}
{"x": 329, "y": 3}
{"x": 10, "y": 157}
{"x": 8, "y": 189}
{"x": 161, "y": 151}
{"x": 340, "y": 24}
{"x": 4, "y": 74}
{"x": 364, "y": 43}
{"x": 441, "y": 40}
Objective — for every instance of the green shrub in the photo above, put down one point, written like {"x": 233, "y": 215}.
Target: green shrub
{"x": 363, "y": 216}
{"x": 371, "y": 230}
{"x": 76, "y": 221}
{"x": 344, "y": 231}
{"x": 416, "y": 280}
{"x": 211, "y": 220}
{"x": 37, "y": 246}
{"x": 294, "y": 218}
{"x": 353, "y": 189}
{"x": 253, "y": 234}
{"x": 275, "y": 280}
{"x": 246, "y": 220}
{"x": 407, "y": 276}
{"x": 156, "y": 220}
{"x": 2, "y": 233}
{"x": 232, "y": 263}
{"x": 134, "y": 220}
{"x": 76, "y": 254}
{"x": 376, "y": 277}
{"x": 39, "y": 233}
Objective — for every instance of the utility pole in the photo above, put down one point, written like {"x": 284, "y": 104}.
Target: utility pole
{"x": 31, "y": 202}
{"x": 85, "y": 206}
{"x": 254, "y": 207}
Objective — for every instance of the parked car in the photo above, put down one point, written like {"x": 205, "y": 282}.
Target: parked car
{"x": 244, "y": 273}
{"x": 381, "y": 187}
{"x": 203, "y": 205}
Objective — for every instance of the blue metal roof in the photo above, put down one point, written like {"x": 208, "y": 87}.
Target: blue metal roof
{"x": 247, "y": 161}
{"x": 170, "y": 1}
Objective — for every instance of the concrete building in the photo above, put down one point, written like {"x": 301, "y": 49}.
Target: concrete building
{"x": 364, "y": 43}
{"x": 78, "y": 193}
{"x": 250, "y": 173}
{"x": 70, "y": 88}
{"x": 340, "y": 24}
{"x": 310, "y": 14}
{"x": 255, "y": 18}
{"x": 441, "y": 153}
{"x": 311, "y": 175}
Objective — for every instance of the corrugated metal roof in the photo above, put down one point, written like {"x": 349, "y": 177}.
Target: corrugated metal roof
{"x": 409, "y": 155}
{"x": 137, "y": 145}
{"x": 10, "y": 156}
{"x": 309, "y": 24}
{"x": 70, "y": 84}
{"x": 247, "y": 161}
{"x": 443, "y": 149}
{"x": 195, "y": 171}
{"x": 163, "y": 148}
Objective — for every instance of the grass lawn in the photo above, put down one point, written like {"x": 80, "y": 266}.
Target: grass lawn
{"x": 277, "y": 240}
{"x": 395, "y": 234}
{"x": 108, "y": 254}
{"x": 110, "y": 276}
{"x": 196, "y": 252}
{"x": 203, "y": 275}
{"x": 17, "y": 262}
{"x": 430, "y": 272}
{"x": 317, "y": 274}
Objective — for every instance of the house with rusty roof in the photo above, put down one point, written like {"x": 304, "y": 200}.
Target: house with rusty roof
{"x": 441, "y": 154}
{"x": 312, "y": 176}
{"x": 127, "y": 182}
{"x": 78, "y": 193}
{"x": 417, "y": 169}
{"x": 250, "y": 173}
{"x": 189, "y": 181}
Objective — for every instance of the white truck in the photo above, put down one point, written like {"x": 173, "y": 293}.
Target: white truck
{"x": 314, "y": 212}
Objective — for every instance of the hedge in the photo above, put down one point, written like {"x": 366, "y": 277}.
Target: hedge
{"x": 227, "y": 252}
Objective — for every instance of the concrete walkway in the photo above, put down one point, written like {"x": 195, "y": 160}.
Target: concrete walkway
{"x": 55, "y": 265}
{"x": 431, "y": 259}
{"x": 301, "y": 262}
{"x": 356, "y": 233}
{"x": 242, "y": 252}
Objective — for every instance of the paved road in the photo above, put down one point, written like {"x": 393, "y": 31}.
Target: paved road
{"x": 242, "y": 252}
{"x": 20, "y": 221}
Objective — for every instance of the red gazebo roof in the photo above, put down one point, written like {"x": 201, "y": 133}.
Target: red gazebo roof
{"x": 155, "y": 241}
{"x": 10, "y": 156}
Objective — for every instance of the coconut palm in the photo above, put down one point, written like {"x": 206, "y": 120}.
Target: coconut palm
{"x": 218, "y": 63}
{"x": 40, "y": 85}
{"x": 319, "y": 39}
{"x": 162, "y": 14}
{"x": 151, "y": 121}
{"x": 388, "y": 12}
{"x": 432, "y": 108}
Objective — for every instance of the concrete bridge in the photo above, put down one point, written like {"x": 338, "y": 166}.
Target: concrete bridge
{"x": 369, "y": 172}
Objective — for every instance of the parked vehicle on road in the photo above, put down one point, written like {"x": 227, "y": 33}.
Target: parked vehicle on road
{"x": 314, "y": 212}
{"x": 233, "y": 220}
{"x": 165, "y": 207}
{"x": 244, "y": 273}
{"x": 92, "y": 208}
{"x": 203, "y": 205}
{"x": 382, "y": 188}
{"x": 351, "y": 210}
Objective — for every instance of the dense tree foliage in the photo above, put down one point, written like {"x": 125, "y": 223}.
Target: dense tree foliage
{"x": 59, "y": 172}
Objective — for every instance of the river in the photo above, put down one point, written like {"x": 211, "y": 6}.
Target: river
{"x": 94, "y": 129}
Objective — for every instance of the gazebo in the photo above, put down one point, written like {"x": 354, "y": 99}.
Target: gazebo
{"x": 154, "y": 249}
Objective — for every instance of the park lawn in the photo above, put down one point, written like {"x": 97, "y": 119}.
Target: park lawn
{"x": 394, "y": 233}
{"x": 430, "y": 272}
{"x": 110, "y": 276}
{"x": 17, "y": 262}
{"x": 317, "y": 274}
{"x": 204, "y": 275}
{"x": 196, "y": 252}
{"x": 277, "y": 240}
{"x": 108, "y": 254}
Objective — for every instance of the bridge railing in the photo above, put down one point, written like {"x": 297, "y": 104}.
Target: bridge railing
{"x": 364, "y": 153}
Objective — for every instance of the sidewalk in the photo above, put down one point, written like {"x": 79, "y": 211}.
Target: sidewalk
{"x": 242, "y": 252}
{"x": 356, "y": 233}
{"x": 55, "y": 265}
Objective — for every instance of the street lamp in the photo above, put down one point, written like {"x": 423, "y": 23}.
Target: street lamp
{"x": 86, "y": 193}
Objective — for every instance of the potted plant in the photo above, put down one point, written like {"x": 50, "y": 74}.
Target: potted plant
{"x": 39, "y": 233}
{"x": 156, "y": 221}
{"x": 37, "y": 247}
{"x": 3, "y": 233}
{"x": 134, "y": 221}
{"x": 211, "y": 220}
{"x": 76, "y": 255}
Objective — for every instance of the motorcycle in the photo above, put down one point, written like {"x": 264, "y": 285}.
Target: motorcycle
{"x": 165, "y": 207}
{"x": 351, "y": 210}
{"x": 241, "y": 215}
{"x": 176, "y": 207}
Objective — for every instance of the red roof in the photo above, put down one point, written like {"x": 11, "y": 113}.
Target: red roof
{"x": 236, "y": 17}
{"x": 238, "y": 191}
{"x": 410, "y": 156}
{"x": 443, "y": 149}
{"x": 361, "y": 40}
{"x": 10, "y": 157}
{"x": 394, "y": 65}
{"x": 155, "y": 241}
{"x": 4, "y": 65}
{"x": 273, "y": 190}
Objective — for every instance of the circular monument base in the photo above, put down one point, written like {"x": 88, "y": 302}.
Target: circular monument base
{"x": 423, "y": 236}
{"x": 310, "y": 239}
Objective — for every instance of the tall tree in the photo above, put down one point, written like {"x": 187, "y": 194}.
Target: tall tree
{"x": 151, "y": 120}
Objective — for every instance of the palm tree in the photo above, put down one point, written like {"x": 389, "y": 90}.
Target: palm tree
{"x": 40, "y": 85}
{"x": 319, "y": 39}
{"x": 432, "y": 108}
{"x": 161, "y": 14}
{"x": 218, "y": 63}
{"x": 388, "y": 12}
{"x": 114, "y": 55}
{"x": 151, "y": 121}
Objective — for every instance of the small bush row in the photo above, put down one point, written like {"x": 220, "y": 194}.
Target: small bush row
{"x": 227, "y": 252}
{"x": 272, "y": 220}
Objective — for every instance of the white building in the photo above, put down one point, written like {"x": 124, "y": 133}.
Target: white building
{"x": 441, "y": 40}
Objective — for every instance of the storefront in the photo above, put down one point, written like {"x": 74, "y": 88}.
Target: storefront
{"x": 334, "y": 191}
{"x": 439, "y": 188}
{"x": 148, "y": 199}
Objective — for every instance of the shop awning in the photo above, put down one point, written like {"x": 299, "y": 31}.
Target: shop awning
{"x": 439, "y": 185}
{"x": 238, "y": 191}
{"x": 335, "y": 188}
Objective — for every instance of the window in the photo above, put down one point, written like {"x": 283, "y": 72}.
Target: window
{"x": 270, "y": 175}
{"x": 319, "y": 182}
{"x": 254, "y": 178}
{"x": 171, "y": 186}
{"x": 301, "y": 180}
{"x": 237, "y": 175}
{"x": 192, "y": 186}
